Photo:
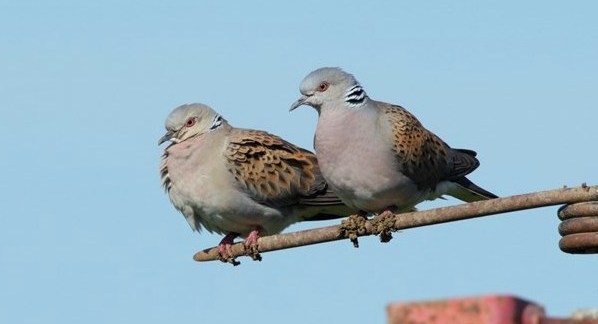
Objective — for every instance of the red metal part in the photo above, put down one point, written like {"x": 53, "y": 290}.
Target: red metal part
{"x": 496, "y": 309}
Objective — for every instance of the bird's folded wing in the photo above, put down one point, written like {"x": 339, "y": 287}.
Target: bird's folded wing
{"x": 272, "y": 170}
{"x": 422, "y": 155}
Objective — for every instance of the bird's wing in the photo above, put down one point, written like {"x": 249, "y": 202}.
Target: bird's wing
{"x": 423, "y": 156}
{"x": 274, "y": 171}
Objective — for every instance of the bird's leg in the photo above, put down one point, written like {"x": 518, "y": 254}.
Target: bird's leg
{"x": 384, "y": 224}
{"x": 354, "y": 226}
{"x": 224, "y": 249}
{"x": 251, "y": 246}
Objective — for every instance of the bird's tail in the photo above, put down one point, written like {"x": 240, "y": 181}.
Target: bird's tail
{"x": 468, "y": 191}
{"x": 328, "y": 206}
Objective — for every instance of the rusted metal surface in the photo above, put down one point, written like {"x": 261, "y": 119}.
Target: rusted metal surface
{"x": 579, "y": 228}
{"x": 588, "y": 224}
{"x": 495, "y": 309}
{"x": 581, "y": 243}
{"x": 582, "y": 209}
{"x": 417, "y": 219}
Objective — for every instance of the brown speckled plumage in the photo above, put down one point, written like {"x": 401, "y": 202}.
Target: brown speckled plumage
{"x": 239, "y": 181}
{"x": 274, "y": 171}
{"x": 377, "y": 156}
{"x": 425, "y": 158}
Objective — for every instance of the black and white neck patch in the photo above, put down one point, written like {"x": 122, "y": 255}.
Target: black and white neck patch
{"x": 355, "y": 96}
{"x": 216, "y": 122}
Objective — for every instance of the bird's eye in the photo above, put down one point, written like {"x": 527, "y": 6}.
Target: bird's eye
{"x": 323, "y": 86}
{"x": 190, "y": 122}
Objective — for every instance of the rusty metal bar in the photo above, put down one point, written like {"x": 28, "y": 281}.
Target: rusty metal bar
{"x": 417, "y": 219}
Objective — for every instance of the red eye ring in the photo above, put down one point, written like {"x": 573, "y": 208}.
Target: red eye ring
{"x": 190, "y": 122}
{"x": 323, "y": 86}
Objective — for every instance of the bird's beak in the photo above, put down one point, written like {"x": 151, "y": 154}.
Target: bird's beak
{"x": 301, "y": 101}
{"x": 167, "y": 137}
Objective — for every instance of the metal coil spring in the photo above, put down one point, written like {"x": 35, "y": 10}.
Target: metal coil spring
{"x": 579, "y": 228}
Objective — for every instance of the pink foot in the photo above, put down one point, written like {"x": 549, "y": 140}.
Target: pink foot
{"x": 252, "y": 237}
{"x": 387, "y": 212}
{"x": 251, "y": 246}
{"x": 224, "y": 249}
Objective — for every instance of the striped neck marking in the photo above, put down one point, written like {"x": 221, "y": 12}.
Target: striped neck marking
{"x": 355, "y": 96}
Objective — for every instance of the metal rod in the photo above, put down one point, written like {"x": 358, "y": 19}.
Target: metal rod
{"x": 416, "y": 219}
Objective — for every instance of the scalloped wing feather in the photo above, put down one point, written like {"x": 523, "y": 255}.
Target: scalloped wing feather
{"x": 422, "y": 155}
{"x": 272, "y": 170}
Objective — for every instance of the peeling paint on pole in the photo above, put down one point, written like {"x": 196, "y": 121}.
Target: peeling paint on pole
{"x": 494, "y": 309}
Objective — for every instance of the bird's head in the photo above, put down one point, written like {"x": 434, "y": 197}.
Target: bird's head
{"x": 329, "y": 85}
{"x": 190, "y": 120}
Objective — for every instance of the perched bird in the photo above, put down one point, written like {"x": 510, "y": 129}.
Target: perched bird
{"x": 240, "y": 182}
{"x": 377, "y": 157}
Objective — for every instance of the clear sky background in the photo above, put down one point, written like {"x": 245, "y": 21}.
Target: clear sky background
{"x": 87, "y": 234}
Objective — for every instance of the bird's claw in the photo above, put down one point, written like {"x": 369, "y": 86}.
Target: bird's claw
{"x": 226, "y": 256}
{"x": 384, "y": 225}
{"x": 230, "y": 259}
{"x": 251, "y": 245}
{"x": 352, "y": 227}
{"x": 252, "y": 250}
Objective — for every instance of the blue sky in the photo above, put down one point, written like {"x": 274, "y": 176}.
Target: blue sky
{"x": 86, "y": 232}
